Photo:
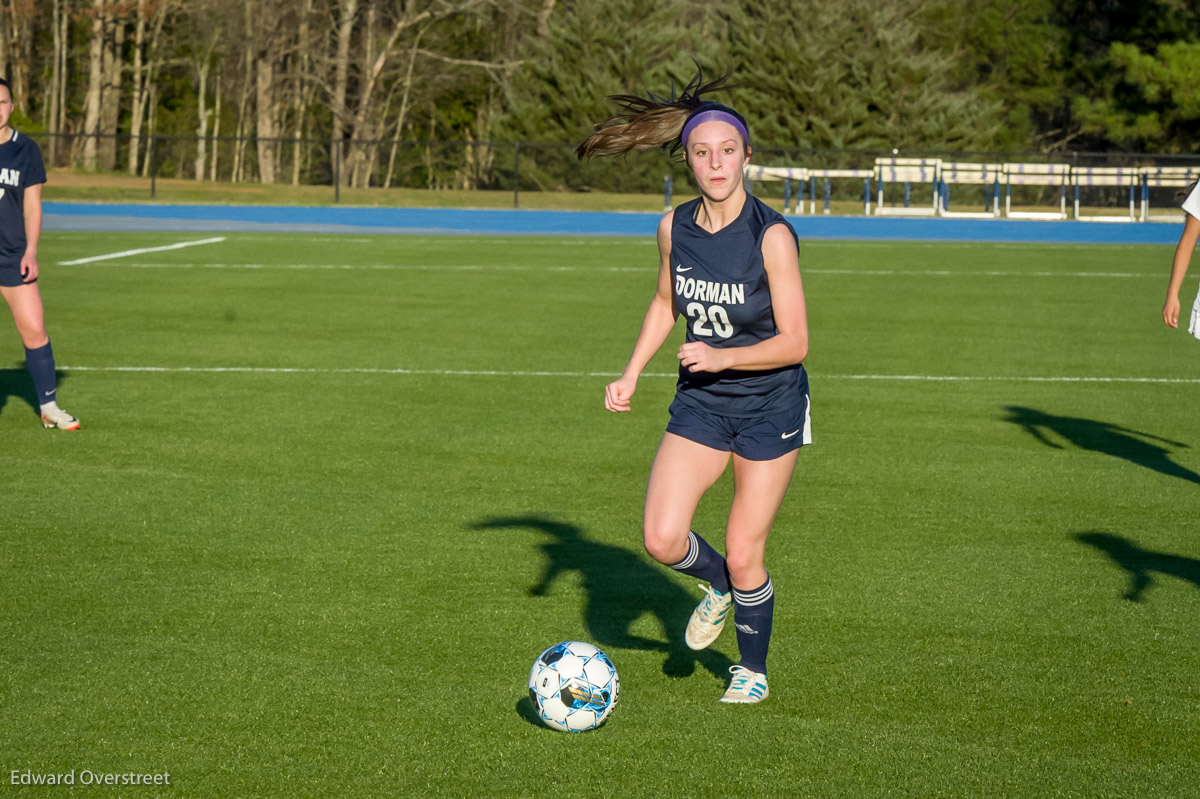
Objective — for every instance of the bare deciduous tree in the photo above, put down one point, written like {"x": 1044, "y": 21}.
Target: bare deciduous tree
{"x": 56, "y": 113}
{"x": 137, "y": 104}
{"x": 91, "y": 121}
{"x": 16, "y": 44}
{"x": 111, "y": 85}
{"x": 347, "y": 16}
{"x": 301, "y": 89}
{"x": 365, "y": 119}
{"x": 207, "y": 27}
{"x": 162, "y": 10}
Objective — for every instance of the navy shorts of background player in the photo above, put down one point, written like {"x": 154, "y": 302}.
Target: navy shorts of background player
{"x": 20, "y": 167}
{"x": 720, "y": 287}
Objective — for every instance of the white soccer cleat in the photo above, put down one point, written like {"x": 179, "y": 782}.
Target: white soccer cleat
{"x": 54, "y": 416}
{"x": 708, "y": 618}
{"x": 747, "y": 687}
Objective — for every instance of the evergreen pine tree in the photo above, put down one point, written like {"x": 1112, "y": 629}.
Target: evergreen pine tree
{"x": 1016, "y": 54}
{"x": 590, "y": 51}
{"x": 1153, "y": 101}
{"x": 852, "y": 74}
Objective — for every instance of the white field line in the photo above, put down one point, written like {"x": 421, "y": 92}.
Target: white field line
{"x": 971, "y": 245}
{"x": 649, "y": 241}
{"x": 142, "y": 251}
{"x": 968, "y": 273}
{"x": 71, "y": 235}
{"x": 535, "y": 373}
{"x": 389, "y": 267}
{"x": 634, "y": 269}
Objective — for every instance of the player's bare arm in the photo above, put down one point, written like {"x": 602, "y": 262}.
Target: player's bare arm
{"x": 1179, "y": 267}
{"x": 656, "y": 326}
{"x": 33, "y": 231}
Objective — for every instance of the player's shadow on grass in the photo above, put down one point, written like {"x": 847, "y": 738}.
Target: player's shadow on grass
{"x": 1141, "y": 563}
{"x": 15, "y": 383}
{"x": 1143, "y": 449}
{"x": 621, "y": 587}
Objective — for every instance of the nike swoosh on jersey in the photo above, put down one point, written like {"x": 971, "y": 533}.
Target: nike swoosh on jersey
{"x": 682, "y": 268}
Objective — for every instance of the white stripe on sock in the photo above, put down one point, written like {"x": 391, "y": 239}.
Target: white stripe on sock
{"x": 690, "y": 558}
{"x": 753, "y": 598}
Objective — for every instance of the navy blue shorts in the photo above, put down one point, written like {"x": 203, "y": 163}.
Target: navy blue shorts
{"x": 10, "y": 275}
{"x": 759, "y": 438}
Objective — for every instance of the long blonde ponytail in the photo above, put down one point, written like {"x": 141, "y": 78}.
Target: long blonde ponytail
{"x": 647, "y": 123}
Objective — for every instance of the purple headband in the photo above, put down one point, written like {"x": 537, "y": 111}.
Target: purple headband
{"x": 713, "y": 115}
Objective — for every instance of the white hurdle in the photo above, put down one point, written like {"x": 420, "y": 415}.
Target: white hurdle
{"x": 827, "y": 175}
{"x": 907, "y": 171}
{"x": 941, "y": 175}
{"x": 1173, "y": 176}
{"x": 1036, "y": 175}
{"x": 803, "y": 175}
{"x": 986, "y": 175}
{"x": 1106, "y": 176}
{"x": 787, "y": 174}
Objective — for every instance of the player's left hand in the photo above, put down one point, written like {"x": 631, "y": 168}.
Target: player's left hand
{"x": 1171, "y": 312}
{"x": 699, "y": 357}
{"x": 29, "y": 268}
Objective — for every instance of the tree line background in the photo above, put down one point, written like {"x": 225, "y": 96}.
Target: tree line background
{"x": 423, "y": 92}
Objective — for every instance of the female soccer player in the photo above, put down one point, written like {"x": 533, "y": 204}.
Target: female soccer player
{"x": 730, "y": 265}
{"x": 22, "y": 174}
{"x": 1183, "y": 257}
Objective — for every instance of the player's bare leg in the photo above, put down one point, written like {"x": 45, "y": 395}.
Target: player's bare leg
{"x": 683, "y": 470}
{"x": 25, "y": 302}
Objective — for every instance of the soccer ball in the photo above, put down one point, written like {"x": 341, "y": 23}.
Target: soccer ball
{"x": 573, "y": 686}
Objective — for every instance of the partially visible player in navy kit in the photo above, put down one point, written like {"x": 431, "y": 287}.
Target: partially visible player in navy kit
{"x": 1183, "y": 257}
{"x": 729, "y": 265}
{"x": 22, "y": 174}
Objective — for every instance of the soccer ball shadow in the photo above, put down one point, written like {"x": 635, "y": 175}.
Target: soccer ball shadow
{"x": 526, "y": 711}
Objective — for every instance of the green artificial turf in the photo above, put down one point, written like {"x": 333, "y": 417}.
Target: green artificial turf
{"x": 333, "y": 495}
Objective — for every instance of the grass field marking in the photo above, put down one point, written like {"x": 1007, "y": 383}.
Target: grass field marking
{"x": 971, "y": 245}
{"x": 341, "y": 371}
{"x": 969, "y": 273}
{"x": 605, "y": 269}
{"x": 308, "y": 237}
{"x": 377, "y": 267}
{"x": 141, "y": 251}
{"x": 547, "y": 373}
{"x": 313, "y": 237}
{"x": 1012, "y": 379}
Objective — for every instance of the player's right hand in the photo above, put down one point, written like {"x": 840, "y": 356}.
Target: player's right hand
{"x": 1171, "y": 312}
{"x": 618, "y": 393}
{"x": 29, "y": 268}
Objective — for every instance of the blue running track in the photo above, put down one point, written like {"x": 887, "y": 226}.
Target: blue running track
{"x": 430, "y": 221}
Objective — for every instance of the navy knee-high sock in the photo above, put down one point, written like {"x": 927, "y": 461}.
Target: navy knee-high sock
{"x": 752, "y": 615}
{"x": 40, "y": 363}
{"x": 704, "y": 562}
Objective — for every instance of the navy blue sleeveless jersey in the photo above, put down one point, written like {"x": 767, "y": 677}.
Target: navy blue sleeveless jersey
{"x": 720, "y": 287}
{"x": 20, "y": 167}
